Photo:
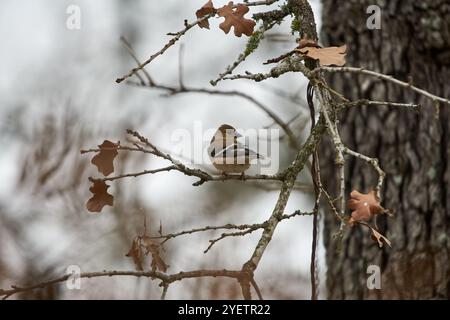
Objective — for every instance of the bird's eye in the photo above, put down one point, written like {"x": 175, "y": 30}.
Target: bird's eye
{"x": 213, "y": 152}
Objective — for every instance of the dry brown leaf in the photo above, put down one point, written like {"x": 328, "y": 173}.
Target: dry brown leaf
{"x": 152, "y": 247}
{"x": 105, "y": 157}
{"x": 207, "y": 8}
{"x": 100, "y": 198}
{"x": 364, "y": 206}
{"x": 235, "y": 18}
{"x": 141, "y": 247}
{"x": 326, "y": 56}
{"x": 380, "y": 238}
{"x": 136, "y": 254}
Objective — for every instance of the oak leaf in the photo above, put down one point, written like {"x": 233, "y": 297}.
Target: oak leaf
{"x": 143, "y": 246}
{"x": 364, "y": 206}
{"x": 103, "y": 160}
{"x": 136, "y": 254}
{"x": 100, "y": 198}
{"x": 326, "y": 56}
{"x": 152, "y": 247}
{"x": 380, "y": 238}
{"x": 207, "y": 8}
{"x": 235, "y": 18}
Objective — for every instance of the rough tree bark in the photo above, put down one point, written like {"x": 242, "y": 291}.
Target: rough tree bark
{"x": 413, "y": 148}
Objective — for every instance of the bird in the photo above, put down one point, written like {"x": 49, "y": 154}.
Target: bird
{"x": 227, "y": 154}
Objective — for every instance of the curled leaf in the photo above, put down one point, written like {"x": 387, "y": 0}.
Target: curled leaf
{"x": 380, "y": 238}
{"x": 143, "y": 246}
{"x": 103, "y": 160}
{"x": 152, "y": 247}
{"x": 235, "y": 18}
{"x": 207, "y": 8}
{"x": 326, "y": 56}
{"x": 100, "y": 198}
{"x": 364, "y": 206}
{"x": 136, "y": 254}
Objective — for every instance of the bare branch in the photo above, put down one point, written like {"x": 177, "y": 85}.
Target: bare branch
{"x": 366, "y": 102}
{"x": 247, "y": 229}
{"x": 374, "y": 163}
{"x": 165, "y": 278}
{"x": 230, "y": 234}
{"x": 135, "y": 58}
{"x": 168, "y": 168}
{"x": 290, "y": 64}
{"x": 385, "y": 78}
{"x": 331, "y": 204}
{"x": 228, "y": 226}
{"x": 253, "y": 42}
{"x": 286, "y": 188}
{"x": 255, "y": 286}
{"x": 125, "y": 148}
{"x": 326, "y": 106}
{"x": 164, "y": 292}
{"x": 180, "y": 66}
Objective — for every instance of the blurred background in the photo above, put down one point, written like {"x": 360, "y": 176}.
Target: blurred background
{"x": 58, "y": 95}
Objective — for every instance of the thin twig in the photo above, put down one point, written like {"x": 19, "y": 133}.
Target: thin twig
{"x": 168, "y": 168}
{"x": 375, "y": 164}
{"x": 241, "y": 58}
{"x": 315, "y": 174}
{"x": 228, "y": 226}
{"x": 255, "y": 286}
{"x": 133, "y": 54}
{"x": 226, "y": 235}
{"x": 247, "y": 229}
{"x": 291, "y": 64}
{"x": 164, "y": 291}
{"x": 180, "y": 66}
{"x": 366, "y": 102}
{"x": 324, "y": 97}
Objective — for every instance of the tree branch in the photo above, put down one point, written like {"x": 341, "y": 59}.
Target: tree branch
{"x": 385, "y": 78}
{"x": 202, "y": 175}
{"x": 178, "y": 35}
{"x": 286, "y": 188}
{"x": 166, "y": 279}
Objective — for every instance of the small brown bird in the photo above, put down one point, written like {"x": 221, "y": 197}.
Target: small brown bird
{"x": 227, "y": 154}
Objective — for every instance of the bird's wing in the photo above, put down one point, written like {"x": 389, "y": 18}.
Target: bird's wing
{"x": 237, "y": 150}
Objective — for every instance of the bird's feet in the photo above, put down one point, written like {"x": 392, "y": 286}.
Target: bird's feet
{"x": 224, "y": 175}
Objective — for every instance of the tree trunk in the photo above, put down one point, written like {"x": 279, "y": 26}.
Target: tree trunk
{"x": 413, "y": 148}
